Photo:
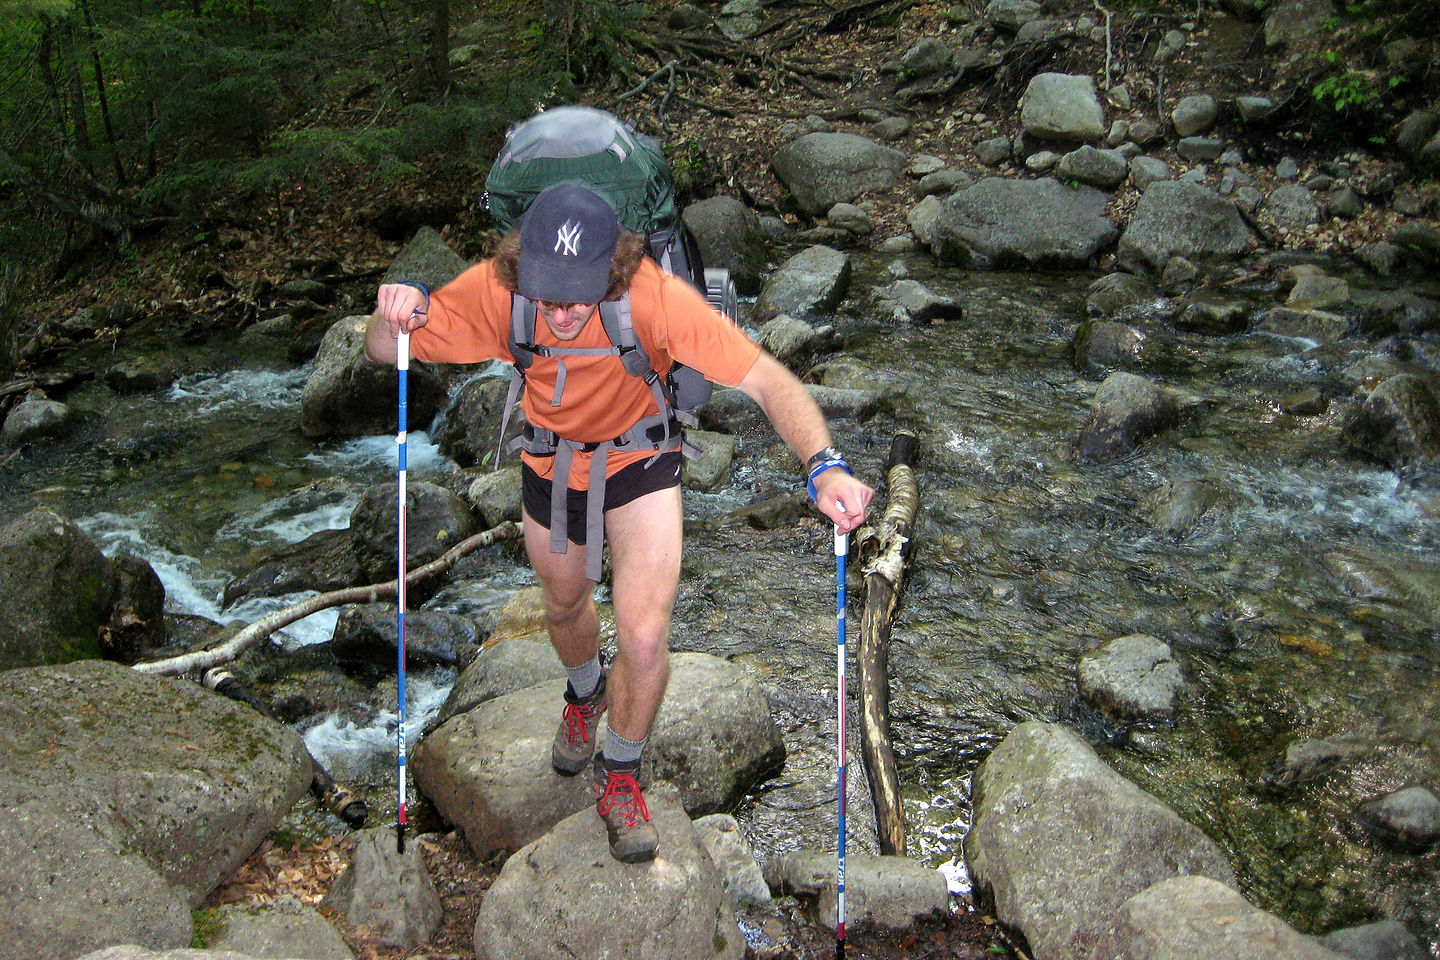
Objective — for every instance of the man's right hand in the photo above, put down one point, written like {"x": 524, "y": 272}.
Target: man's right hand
{"x": 398, "y": 307}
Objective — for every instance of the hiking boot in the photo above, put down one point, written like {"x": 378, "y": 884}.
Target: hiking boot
{"x": 627, "y": 820}
{"x": 575, "y": 740}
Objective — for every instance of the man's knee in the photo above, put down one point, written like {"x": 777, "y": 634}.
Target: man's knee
{"x": 647, "y": 651}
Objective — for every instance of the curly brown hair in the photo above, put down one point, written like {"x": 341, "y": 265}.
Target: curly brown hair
{"x": 629, "y": 249}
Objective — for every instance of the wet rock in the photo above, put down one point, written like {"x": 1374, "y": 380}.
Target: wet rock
{"x": 435, "y": 521}
{"x": 792, "y": 341}
{"x": 468, "y": 430}
{"x": 1175, "y": 218}
{"x": 389, "y": 892}
{"x": 1118, "y": 295}
{"x": 1213, "y": 317}
{"x": 1318, "y": 291}
{"x": 323, "y": 561}
{"x": 36, "y": 418}
{"x": 1318, "y": 326}
{"x": 1022, "y": 223}
{"x": 366, "y": 640}
{"x": 1309, "y": 402}
{"x": 315, "y": 291}
{"x": 1176, "y": 509}
{"x": 1309, "y": 760}
{"x": 1407, "y": 819}
{"x": 1382, "y": 940}
{"x": 912, "y": 301}
{"x": 347, "y": 395}
{"x": 1399, "y": 423}
{"x": 1061, "y": 840}
{"x": 813, "y": 281}
{"x": 56, "y": 591}
{"x": 564, "y": 895}
{"x": 1108, "y": 344}
{"x": 880, "y": 892}
{"x": 140, "y": 376}
{"x": 1186, "y": 917}
{"x": 136, "y": 625}
{"x": 1133, "y": 678}
{"x": 1385, "y": 312}
{"x": 1128, "y": 409}
{"x": 1380, "y": 256}
{"x": 1057, "y": 106}
{"x": 1420, "y": 241}
{"x": 1179, "y": 276}
{"x": 823, "y": 169}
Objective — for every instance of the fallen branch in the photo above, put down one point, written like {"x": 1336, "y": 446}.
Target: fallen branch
{"x": 262, "y": 628}
{"x": 886, "y": 546}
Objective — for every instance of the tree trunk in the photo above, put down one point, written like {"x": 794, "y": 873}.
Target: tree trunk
{"x": 886, "y": 547}
{"x": 101, "y": 96}
{"x": 440, "y": 43}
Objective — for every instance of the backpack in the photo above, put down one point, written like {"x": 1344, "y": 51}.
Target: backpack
{"x": 629, "y": 171}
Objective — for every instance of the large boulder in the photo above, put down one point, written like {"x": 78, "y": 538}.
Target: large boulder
{"x": 1127, "y": 410}
{"x": 1004, "y": 223}
{"x": 729, "y": 236}
{"x": 1186, "y": 917}
{"x": 132, "y": 798}
{"x": 1061, "y": 840}
{"x": 56, "y": 591}
{"x": 1399, "y": 423}
{"x": 468, "y": 431}
{"x": 435, "y": 521}
{"x": 823, "y": 169}
{"x": 565, "y": 896}
{"x": 488, "y": 769}
{"x": 347, "y": 395}
{"x": 1175, "y": 218}
{"x": 1058, "y": 106}
{"x": 426, "y": 259}
{"x": 813, "y": 281}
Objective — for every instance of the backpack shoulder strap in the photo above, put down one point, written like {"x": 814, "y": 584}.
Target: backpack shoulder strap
{"x": 522, "y": 331}
{"x": 620, "y": 328}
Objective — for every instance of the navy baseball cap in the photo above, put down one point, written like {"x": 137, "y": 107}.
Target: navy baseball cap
{"x": 567, "y": 238}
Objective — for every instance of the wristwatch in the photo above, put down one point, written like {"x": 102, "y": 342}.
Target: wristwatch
{"x": 825, "y": 453}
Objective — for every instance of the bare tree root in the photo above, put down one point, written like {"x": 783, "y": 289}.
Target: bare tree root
{"x": 262, "y": 628}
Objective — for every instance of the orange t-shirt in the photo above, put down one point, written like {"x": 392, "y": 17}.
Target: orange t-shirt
{"x": 469, "y": 322}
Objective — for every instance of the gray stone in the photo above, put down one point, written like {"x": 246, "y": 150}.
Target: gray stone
{"x": 881, "y": 892}
{"x": 922, "y": 217}
{"x": 1292, "y": 206}
{"x": 1254, "y": 109}
{"x": 564, "y": 895}
{"x": 1194, "y": 114}
{"x": 389, "y": 892}
{"x": 813, "y": 281}
{"x": 279, "y": 930}
{"x": 1295, "y": 21}
{"x": 993, "y": 152}
{"x": 891, "y": 129}
{"x": 1382, "y": 940}
{"x": 1011, "y": 15}
{"x": 1187, "y": 917}
{"x": 1213, "y": 317}
{"x": 516, "y": 656}
{"x": 1022, "y": 223}
{"x": 1107, "y": 344}
{"x": 943, "y": 181}
{"x": 792, "y": 341}
{"x": 426, "y": 259}
{"x": 56, "y": 591}
{"x": 1408, "y": 819}
{"x": 730, "y": 237}
{"x": 347, "y": 395}
{"x": 496, "y": 495}
{"x": 1174, "y": 218}
{"x": 1179, "y": 276}
{"x": 717, "y": 453}
{"x": 1105, "y": 169}
{"x": 435, "y": 520}
{"x": 1318, "y": 292}
{"x": 1415, "y": 131}
{"x": 1200, "y": 149}
{"x": 1171, "y": 43}
{"x": 1147, "y": 170}
{"x": 1287, "y": 169}
{"x": 1128, "y": 409}
{"x": 823, "y": 169}
{"x": 1058, "y": 106}
{"x": 1118, "y": 295}
{"x": 1134, "y": 677}
{"x": 740, "y": 875}
{"x": 1346, "y": 203}
{"x": 36, "y": 418}
{"x": 1308, "y": 760}
{"x": 1175, "y": 510}
{"x": 1060, "y": 841}
{"x": 741, "y": 19}
{"x": 924, "y": 164}
{"x": 1042, "y": 161}
{"x": 1317, "y": 326}
{"x": 1399, "y": 423}
{"x": 850, "y": 218}
{"x": 917, "y": 303}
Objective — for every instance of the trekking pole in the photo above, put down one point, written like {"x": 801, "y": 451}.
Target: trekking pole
{"x": 842, "y": 543}
{"x": 402, "y": 368}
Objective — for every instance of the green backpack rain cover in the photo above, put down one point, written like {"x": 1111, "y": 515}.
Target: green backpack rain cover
{"x": 581, "y": 143}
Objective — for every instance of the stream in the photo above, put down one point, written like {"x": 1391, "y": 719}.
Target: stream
{"x": 1304, "y": 603}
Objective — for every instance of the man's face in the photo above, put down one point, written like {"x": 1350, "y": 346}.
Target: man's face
{"x": 565, "y": 320}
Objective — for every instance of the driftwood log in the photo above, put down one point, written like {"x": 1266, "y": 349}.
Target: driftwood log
{"x": 884, "y": 549}
{"x": 250, "y": 635}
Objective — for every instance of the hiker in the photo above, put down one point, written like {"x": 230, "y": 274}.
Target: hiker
{"x": 567, "y": 254}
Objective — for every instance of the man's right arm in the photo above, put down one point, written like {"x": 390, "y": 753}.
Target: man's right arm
{"x": 398, "y": 306}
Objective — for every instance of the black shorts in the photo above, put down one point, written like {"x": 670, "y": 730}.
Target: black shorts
{"x": 630, "y": 483}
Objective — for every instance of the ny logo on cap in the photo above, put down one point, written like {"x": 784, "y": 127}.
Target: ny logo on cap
{"x": 567, "y": 239}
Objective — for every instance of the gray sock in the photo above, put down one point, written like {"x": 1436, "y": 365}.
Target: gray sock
{"x": 585, "y": 678}
{"x": 620, "y": 750}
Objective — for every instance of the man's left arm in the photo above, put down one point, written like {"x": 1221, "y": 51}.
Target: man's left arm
{"x": 798, "y": 420}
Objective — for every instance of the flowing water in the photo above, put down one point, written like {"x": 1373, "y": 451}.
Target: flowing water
{"x": 1303, "y": 604}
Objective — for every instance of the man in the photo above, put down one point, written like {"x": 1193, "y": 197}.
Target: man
{"x": 568, "y": 253}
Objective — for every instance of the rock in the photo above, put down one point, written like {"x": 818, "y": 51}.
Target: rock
{"x": 1380, "y": 256}
{"x": 1318, "y": 291}
{"x": 1200, "y": 149}
{"x": 136, "y": 625}
{"x": 922, "y": 217}
{"x": 138, "y": 376}
{"x": 1416, "y": 131}
{"x": 850, "y": 218}
{"x": 823, "y": 169}
{"x": 1105, "y": 169}
{"x": 1421, "y": 241}
{"x": 1383, "y": 940}
{"x": 1175, "y": 509}
{"x": 1060, "y": 841}
{"x": 564, "y": 895}
{"x": 516, "y": 656}
{"x": 1287, "y": 169}
{"x": 1398, "y": 425}
{"x": 1022, "y": 223}
{"x": 1171, "y": 43}
{"x": 1194, "y": 114}
{"x": 730, "y": 237}
{"x": 912, "y": 301}
{"x": 1308, "y": 402}
{"x": 1010, "y": 15}
{"x": 1107, "y": 344}
{"x": 468, "y": 431}
{"x": 993, "y": 152}
{"x": 687, "y": 16}
{"x": 1058, "y": 106}
{"x": 426, "y": 259}
{"x": 888, "y": 893}
{"x": 315, "y": 291}
{"x": 924, "y": 164}
{"x": 891, "y": 128}
{"x": 1347, "y": 204}
{"x": 139, "y": 824}
{"x": 813, "y": 281}
{"x": 1213, "y": 317}
{"x": 1292, "y": 206}
{"x": 1187, "y": 917}
{"x": 1383, "y": 313}
{"x": 366, "y": 640}
{"x": 943, "y": 181}
{"x": 1254, "y": 109}
{"x": 740, "y": 875}
{"x": 741, "y": 19}
{"x": 1181, "y": 218}
{"x": 1294, "y": 21}
{"x": 1317, "y": 326}
{"x": 1147, "y": 170}
{"x": 1127, "y": 410}
{"x": 1407, "y": 819}
{"x": 1132, "y": 678}
{"x": 1042, "y": 161}
{"x": 323, "y": 561}
{"x": 435, "y": 520}
{"x": 1309, "y": 760}
{"x": 389, "y": 892}
{"x": 495, "y": 494}
{"x": 36, "y": 418}
{"x": 793, "y": 341}
{"x": 56, "y": 591}
{"x": 488, "y": 769}
{"x": 1118, "y": 295}
{"x": 347, "y": 395}
{"x": 277, "y": 930}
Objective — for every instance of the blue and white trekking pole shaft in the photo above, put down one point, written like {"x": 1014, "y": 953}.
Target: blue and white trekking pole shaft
{"x": 402, "y": 368}
{"x": 842, "y": 543}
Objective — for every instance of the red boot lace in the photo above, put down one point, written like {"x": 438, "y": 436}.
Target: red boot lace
{"x": 576, "y": 717}
{"x": 620, "y": 787}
